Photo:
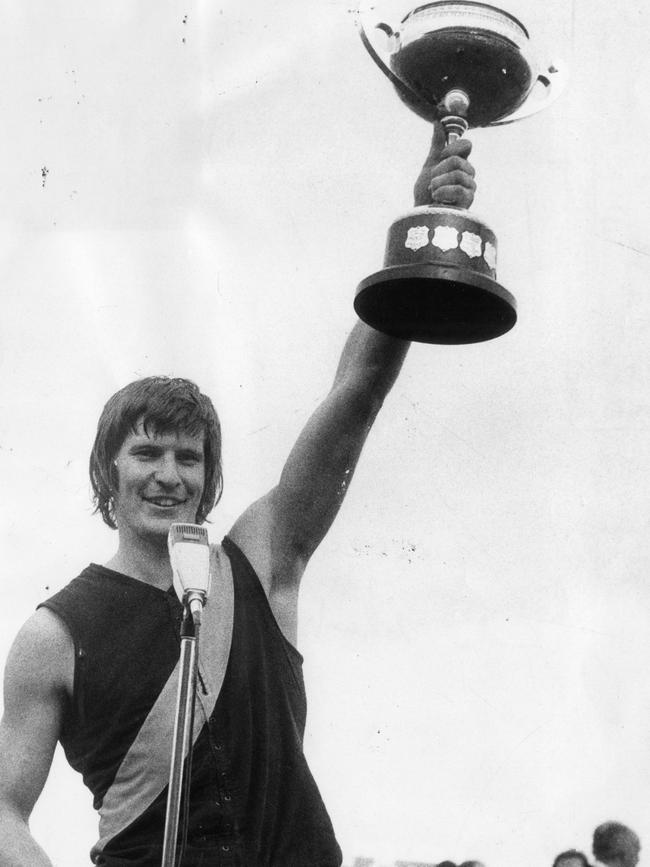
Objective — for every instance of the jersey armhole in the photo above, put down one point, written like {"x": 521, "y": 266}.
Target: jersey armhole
{"x": 227, "y": 543}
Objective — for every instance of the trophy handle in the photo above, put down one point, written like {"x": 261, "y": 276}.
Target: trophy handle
{"x": 402, "y": 86}
{"x": 554, "y": 80}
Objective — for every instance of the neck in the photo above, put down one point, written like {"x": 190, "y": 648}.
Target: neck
{"x": 146, "y": 560}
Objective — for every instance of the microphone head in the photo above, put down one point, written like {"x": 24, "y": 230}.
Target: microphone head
{"x": 189, "y": 554}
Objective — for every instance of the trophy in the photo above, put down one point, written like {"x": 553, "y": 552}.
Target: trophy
{"x": 466, "y": 64}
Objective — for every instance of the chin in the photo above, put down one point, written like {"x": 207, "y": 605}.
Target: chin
{"x": 159, "y": 526}
{"x": 154, "y": 525}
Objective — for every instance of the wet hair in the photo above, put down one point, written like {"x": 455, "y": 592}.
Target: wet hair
{"x": 571, "y": 853}
{"x": 612, "y": 841}
{"x": 163, "y": 405}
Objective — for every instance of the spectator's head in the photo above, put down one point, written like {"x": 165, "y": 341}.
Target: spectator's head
{"x": 616, "y": 845}
{"x": 571, "y": 858}
{"x": 446, "y": 864}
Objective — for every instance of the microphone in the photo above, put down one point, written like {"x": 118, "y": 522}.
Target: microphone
{"x": 189, "y": 553}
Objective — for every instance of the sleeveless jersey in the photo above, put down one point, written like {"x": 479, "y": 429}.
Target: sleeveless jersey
{"x": 254, "y": 802}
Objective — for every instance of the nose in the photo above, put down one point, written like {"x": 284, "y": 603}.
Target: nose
{"x": 166, "y": 471}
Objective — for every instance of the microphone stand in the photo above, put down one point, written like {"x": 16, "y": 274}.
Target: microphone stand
{"x": 182, "y": 739}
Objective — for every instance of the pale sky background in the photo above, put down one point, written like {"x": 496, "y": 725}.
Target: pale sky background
{"x": 196, "y": 189}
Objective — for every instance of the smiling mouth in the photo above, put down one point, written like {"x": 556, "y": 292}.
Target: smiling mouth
{"x": 164, "y": 502}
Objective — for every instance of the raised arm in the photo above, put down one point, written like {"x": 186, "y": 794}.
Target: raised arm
{"x": 38, "y": 677}
{"x": 281, "y": 531}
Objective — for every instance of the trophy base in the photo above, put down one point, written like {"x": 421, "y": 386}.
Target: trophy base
{"x": 430, "y": 303}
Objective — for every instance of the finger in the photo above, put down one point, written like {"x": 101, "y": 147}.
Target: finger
{"x": 457, "y": 178}
{"x": 460, "y": 147}
{"x": 451, "y": 164}
{"x": 462, "y": 197}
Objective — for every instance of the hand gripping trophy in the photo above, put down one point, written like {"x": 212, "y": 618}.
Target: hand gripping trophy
{"x": 466, "y": 64}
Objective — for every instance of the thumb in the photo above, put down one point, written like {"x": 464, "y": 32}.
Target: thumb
{"x": 438, "y": 144}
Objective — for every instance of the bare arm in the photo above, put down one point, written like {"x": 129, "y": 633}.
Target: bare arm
{"x": 297, "y": 513}
{"x": 38, "y": 676}
{"x": 280, "y": 532}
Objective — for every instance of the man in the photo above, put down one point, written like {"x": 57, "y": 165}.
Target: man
{"x": 616, "y": 845}
{"x": 94, "y": 667}
{"x": 571, "y": 858}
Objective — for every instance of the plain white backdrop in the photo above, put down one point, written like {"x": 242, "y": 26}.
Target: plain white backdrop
{"x": 196, "y": 189}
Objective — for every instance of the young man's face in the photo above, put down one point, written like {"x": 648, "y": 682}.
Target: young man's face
{"x": 160, "y": 481}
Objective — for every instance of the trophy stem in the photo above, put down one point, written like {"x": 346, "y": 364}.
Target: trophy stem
{"x": 453, "y": 129}
{"x": 453, "y": 110}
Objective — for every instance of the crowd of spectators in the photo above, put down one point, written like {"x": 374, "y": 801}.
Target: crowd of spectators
{"x": 370, "y": 862}
{"x": 613, "y": 845}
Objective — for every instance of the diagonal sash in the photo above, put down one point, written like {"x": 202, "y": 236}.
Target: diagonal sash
{"x": 144, "y": 771}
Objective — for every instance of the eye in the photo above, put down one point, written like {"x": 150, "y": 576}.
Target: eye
{"x": 145, "y": 453}
{"x": 189, "y": 459}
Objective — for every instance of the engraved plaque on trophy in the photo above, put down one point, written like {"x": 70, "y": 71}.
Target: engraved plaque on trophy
{"x": 466, "y": 64}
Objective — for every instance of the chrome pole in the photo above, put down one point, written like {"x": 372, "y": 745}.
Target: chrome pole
{"x": 182, "y": 739}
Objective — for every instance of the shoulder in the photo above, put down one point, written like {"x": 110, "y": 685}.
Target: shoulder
{"x": 41, "y": 659}
{"x": 97, "y": 602}
{"x": 43, "y": 634}
{"x": 37, "y": 686}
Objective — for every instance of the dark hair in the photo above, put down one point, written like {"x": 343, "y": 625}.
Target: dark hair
{"x": 571, "y": 853}
{"x": 612, "y": 840}
{"x": 163, "y": 405}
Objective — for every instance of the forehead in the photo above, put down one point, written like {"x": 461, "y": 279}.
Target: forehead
{"x": 167, "y": 439}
